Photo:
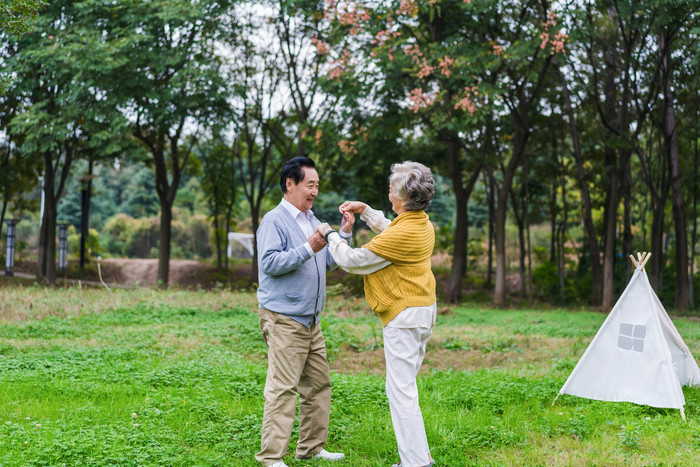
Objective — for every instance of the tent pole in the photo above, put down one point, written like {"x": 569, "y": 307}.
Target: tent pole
{"x": 555, "y": 399}
{"x": 634, "y": 261}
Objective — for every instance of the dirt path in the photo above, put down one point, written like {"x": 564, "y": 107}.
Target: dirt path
{"x": 131, "y": 272}
{"x": 144, "y": 272}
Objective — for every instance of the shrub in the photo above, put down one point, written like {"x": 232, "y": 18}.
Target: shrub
{"x": 139, "y": 238}
{"x": 92, "y": 245}
{"x": 118, "y": 231}
{"x": 144, "y": 237}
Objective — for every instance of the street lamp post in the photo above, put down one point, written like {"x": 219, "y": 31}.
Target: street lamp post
{"x": 62, "y": 247}
{"x": 43, "y": 196}
{"x": 10, "y": 253}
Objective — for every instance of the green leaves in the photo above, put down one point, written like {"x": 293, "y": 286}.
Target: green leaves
{"x": 15, "y": 15}
{"x": 61, "y": 62}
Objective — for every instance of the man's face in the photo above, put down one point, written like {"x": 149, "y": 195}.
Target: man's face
{"x": 302, "y": 195}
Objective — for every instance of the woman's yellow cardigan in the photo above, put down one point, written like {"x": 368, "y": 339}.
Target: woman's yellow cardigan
{"x": 407, "y": 243}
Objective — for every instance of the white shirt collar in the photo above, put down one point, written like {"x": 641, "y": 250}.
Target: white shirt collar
{"x": 294, "y": 211}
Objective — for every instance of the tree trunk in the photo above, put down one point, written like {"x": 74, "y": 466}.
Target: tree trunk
{"x": 166, "y": 197}
{"x": 518, "y": 212}
{"x": 6, "y": 186}
{"x": 41, "y": 260}
{"x": 86, "y": 195}
{"x": 616, "y": 165}
{"x": 214, "y": 209}
{"x": 671, "y": 150}
{"x": 459, "y": 257}
{"x": 217, "y": 240}
{"x": 230, "y": 203}
{"x": 2, "y": 220}
{"x": 552, "y": 221}
{"x": 255, "y": 217}
{"x": 627, "y": 219}
{"x": 655, "y": 266}
{"x": 499, "y": 293}
{"x": 255, "y": 209}
{"x": 529, "y": 265}
{"x": 694, "y": 234}
{"x": 521, "y": 260}
{"x": 524, "y": 222}
{"x": 166, "y": 217}
{"x": 492, "y": 212}
{"x": 462, "y": 193}
{"x": 44, "y": 232}
{"x": 53, "y": 188}
{"x": 167, "y": 191}
{"x": 610, "y": 237}
{"x": 658, "y": 194}
{"x": 50, "y": 217}
{"x": 586, "y": 207}
{"x": 610, "y": 231}
{"x": 226, "y": 231}
{"x": 561, "y": 260}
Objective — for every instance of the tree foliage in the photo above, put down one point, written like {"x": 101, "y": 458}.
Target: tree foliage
{"x": 172, "y": 80}
{"x": 566, "y": 133}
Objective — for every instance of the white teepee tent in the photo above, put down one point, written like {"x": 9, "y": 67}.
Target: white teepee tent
{"x": 637, "y": 355}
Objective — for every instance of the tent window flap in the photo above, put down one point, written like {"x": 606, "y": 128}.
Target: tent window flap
{"x": 632, "y": 337}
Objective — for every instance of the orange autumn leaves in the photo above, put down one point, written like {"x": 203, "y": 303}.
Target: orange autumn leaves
{"x": 432, "y": 70}
{"x": 558, "y": 41}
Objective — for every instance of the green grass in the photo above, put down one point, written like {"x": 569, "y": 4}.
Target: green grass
{"x": 146, "y": 377}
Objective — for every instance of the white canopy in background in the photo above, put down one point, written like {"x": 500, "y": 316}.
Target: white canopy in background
{"x": 245, "y": 239}
{"x": 637, "y": 355}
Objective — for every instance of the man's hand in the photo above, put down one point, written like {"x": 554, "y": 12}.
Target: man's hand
{"x": 357, "y": 207}
{"x": 323, "y": 229}
{"x": 347, "y": 222}
{"x": 317, "y": 241}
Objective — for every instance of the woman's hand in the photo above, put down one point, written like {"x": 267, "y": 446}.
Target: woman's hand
{"x": 323, "y": 228}
{"x": 356, "y": 207}
{"x": 347, "y": 222}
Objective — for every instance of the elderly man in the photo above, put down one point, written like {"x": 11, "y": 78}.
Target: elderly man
{"x": 292, "y": 264}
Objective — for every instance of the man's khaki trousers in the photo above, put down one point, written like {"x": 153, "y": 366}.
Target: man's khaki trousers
{"x": 296, "y": 362}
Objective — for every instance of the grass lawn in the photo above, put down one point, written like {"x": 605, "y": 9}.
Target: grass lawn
{"x": 148, "y": 377}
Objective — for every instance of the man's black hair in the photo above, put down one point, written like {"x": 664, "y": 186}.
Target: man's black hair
{"x": 293, "y": 169}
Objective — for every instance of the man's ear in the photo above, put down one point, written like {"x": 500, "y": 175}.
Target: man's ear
{"x": 289, "y": 183}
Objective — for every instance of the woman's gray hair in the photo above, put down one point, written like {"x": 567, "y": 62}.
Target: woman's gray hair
{"x": 413, "y": 183}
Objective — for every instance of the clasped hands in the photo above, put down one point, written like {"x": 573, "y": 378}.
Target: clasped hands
{"x": 348, "y": 209}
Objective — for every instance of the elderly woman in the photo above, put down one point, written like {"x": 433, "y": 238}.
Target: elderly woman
{"x": 400, "y": 288}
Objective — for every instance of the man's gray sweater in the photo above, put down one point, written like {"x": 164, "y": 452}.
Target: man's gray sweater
{"x": 291, "y": 281}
